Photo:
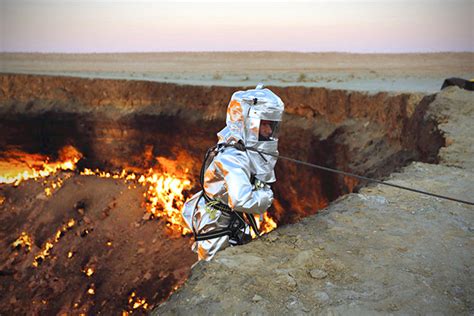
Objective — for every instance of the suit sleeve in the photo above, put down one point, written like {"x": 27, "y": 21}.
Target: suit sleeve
{"x": 242, "y": 196}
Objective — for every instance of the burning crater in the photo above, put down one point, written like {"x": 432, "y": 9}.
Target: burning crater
{"x": 93, "y": 174}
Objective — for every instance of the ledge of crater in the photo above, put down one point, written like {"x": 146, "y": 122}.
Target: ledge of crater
{"x": 40, "y": 93}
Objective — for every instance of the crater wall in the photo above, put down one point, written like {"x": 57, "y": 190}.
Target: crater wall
{"x": 119, "y": 122}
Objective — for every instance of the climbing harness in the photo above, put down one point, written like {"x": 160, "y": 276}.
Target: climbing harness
{"x": 239, "y": 221}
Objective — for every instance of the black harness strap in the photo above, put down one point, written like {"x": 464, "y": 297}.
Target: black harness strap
{"x": 234, "y": 230}
{"x": 253, "y": 223}
{"x": 213, "y": 234}
{"x": 238, "y": 219}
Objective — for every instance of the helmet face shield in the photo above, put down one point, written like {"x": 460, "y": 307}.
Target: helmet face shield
{"x": 268, "y": 130}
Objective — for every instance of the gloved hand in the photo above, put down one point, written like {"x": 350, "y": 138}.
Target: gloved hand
{"x": 265, "y": 198}
{"x": 260, "y": 184}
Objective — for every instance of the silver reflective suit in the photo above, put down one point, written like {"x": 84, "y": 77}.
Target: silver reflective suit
{"x": 227, "y": 179}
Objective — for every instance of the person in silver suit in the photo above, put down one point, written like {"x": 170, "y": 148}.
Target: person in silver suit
{"x": 235, "y": 179}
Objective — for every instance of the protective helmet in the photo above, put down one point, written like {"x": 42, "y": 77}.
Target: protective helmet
{"x": 254, "y": 117}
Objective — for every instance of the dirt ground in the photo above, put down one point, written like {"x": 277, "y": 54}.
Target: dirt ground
{"x": 362, "y": 72}
{"x": 378, "y": 251}
{"x": 132, "y": 261}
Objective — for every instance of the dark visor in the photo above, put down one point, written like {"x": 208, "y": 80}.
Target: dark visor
{"x": 268, "y": 130}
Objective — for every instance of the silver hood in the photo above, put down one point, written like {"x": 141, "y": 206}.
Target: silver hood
{"x": 244, "y": 113}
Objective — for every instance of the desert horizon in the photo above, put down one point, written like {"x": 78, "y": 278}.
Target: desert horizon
{"x": 372, "y": 72}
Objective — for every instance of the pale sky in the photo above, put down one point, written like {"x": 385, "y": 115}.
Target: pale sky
{"x": 231, "y": 25}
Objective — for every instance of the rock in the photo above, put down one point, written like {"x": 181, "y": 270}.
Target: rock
{"x": 256, "y": 298}
{"x": 318, "y": 274}
{"x": 147, "y": 275}
{"x": 295, "y": 306}
{"x": 105, "y": 213}
{"x": 286, "y": 280}
{"x": 374, "y": 199}
{"x": 80, "y": 207}
{"x": 292, "y": 303}
{"x": 87, "y": 220}
{"x": 244, "y": 262}
{"x": 306, "y": 257}
{"x": 42, "y": 196}
{"x": 321, "y": 297}
{"x": 272, "y": 237}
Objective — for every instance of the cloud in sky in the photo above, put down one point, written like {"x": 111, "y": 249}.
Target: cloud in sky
{"x": 321, "y": 25}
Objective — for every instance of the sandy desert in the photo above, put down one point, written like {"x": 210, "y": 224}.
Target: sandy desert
{"x": 362, "y": 72}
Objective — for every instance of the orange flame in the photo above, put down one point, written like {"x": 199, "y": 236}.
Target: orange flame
{"x": 17, "y": 166}
{"x": 165, "y": 197}
{"x": 88, "y": 271}
{"x": 91, "y": 290}
{"x": 136, "y": 302}
{"x": 265, "y": 223}
{"x": 45, "y": 251}
{"x": 23, "y": 241}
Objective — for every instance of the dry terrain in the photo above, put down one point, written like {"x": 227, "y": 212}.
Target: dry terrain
{"x": 364, "y": 72}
